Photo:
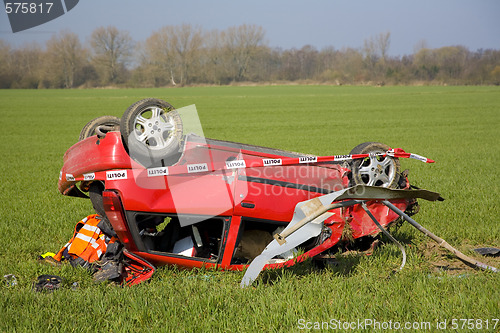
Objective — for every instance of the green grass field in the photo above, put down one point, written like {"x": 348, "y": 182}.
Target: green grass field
{"x": 456, "y": 126}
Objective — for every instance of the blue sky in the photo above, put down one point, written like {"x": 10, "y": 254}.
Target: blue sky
{"x": 290, "y": 23}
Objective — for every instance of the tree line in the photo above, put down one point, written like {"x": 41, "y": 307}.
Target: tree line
{"x": 187, "y": 55}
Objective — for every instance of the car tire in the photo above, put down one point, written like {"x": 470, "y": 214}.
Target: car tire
{"x": 375, "y": 170}
{"x": 151, "y": 131}
{"x": 100, "y": 126}
{"x": 96, "y": 189}
{"x": 95, "y": 193}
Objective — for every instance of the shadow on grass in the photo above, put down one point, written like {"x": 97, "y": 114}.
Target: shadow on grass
{"x": 342, "y": 263}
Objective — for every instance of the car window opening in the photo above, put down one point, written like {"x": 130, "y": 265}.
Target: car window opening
{"x": 253, "y": 237}
{"x": 162, "y": 233}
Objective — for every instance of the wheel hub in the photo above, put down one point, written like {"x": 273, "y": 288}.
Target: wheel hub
{"x": 377, "y": 171}
{"x": 154, "y": 127}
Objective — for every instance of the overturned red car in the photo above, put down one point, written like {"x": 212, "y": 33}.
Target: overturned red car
{"x": 175, "y": 197}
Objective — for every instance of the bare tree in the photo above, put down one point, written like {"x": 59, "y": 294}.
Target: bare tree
{"x": 421, "y": 44}
{"x": 188, "y": 43}
{"x": 376, "y": 47}
{"x": 6, "y": 72}
{"x": 350, "y": 64}
{"x": 157, "y": 57}
{"x": 370, "y": 52}
{"x": 375, "y": 51}
{"x": 242, "y": 43}
{"x": 215, "y": 61}
{"x": 64, "y": 58}
{"x": 383, "y": 41}
{"x": 452, "y": 61}
{"x": 174, "y": 51}
{"x": 495, "y": 75}
{"x": 112, "y": 50}
{"x": 28, "y": 62}
{"x": 426, "y": 65}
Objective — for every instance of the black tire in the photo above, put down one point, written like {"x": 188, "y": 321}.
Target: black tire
{"x": 95, "y": 194}
{"x": 376, "y": 170}
{"x": 100, "y": 126}
{"x": 151, "y": 131}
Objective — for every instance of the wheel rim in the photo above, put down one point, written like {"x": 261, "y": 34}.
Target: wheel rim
{"x": 377, "y": 171}
{"x": 155, "y": 128}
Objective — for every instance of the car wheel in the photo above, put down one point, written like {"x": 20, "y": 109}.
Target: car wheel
{"x": 95, "y": 194}
{"x": 375, "y": 170}
{"x": 100, "y": 126}
{"x": 151, "y": 131}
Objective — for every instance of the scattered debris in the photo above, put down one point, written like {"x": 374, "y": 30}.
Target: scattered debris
{"x": 488, "y": 251}
{"x": 47, "y": 283}
{"x": 10, "y": 280}
{"x": 458, "y": 276}
{"x": 48, "y": 258}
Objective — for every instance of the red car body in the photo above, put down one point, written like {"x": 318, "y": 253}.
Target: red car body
{"x": 211, "y": 202}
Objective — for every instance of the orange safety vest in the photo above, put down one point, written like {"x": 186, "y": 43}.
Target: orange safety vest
{"x": 88, "y": 241}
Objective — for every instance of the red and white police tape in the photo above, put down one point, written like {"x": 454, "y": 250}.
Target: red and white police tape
{"x": 237, "y": 164}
